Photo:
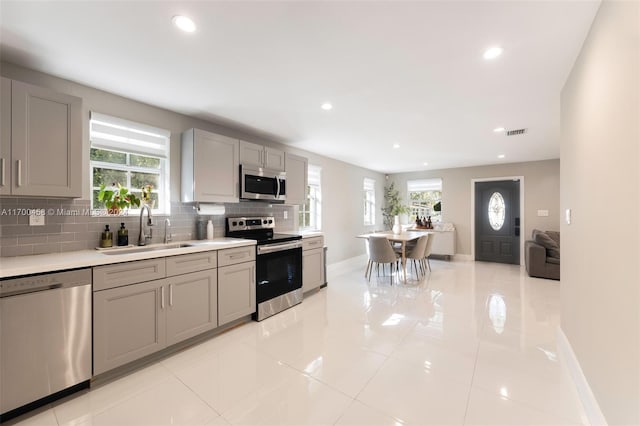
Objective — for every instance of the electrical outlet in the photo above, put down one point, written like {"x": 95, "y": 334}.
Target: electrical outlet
{"x": 567, "y": 216}
{"x": 36, "y": 220}
{"x": 543, "y": 213}
{"x": 286, "y": 214}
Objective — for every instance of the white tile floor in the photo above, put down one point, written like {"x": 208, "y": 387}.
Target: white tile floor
{"x": 470, "y": 344}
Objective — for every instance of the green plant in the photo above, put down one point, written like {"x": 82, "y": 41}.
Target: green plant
{"x": 393, "y": 205}
{"x": 437, "y": 206}
{"x": 146, "y": 192}
{"x": 117, "y": 197}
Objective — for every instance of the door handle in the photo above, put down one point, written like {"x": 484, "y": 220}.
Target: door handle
{"x": 2, "y": 176}
{"x": 278, "y": 187}
{"x": 19, "y": 164}
{"x": 162, "y": 297}
{"x": 170, "y": 294}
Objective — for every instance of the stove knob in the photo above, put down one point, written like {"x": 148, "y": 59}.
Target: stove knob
{"x": 270, "y": 221}
{"x": 234, "y": 223}
{"x": 264, "y": 222}
{"x": 241, "y": 223}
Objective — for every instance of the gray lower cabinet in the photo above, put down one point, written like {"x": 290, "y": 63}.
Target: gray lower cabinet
{"x": 192, "y": 305}
{"x": 128, "y": 323}
{"x": 312, "y": 263}
{"x": 145, "y": 306}
{"x": 41, "y": 141}
{"x": 236, "y": 291}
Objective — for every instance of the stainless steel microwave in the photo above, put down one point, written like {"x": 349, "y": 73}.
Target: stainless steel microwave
{"x": 257, "y": 183}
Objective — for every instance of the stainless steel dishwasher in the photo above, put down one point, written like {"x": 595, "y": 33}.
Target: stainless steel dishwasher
{"x": 45, "y": 338}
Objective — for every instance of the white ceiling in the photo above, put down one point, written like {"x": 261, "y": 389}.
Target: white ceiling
{"x": 410, "y": 73}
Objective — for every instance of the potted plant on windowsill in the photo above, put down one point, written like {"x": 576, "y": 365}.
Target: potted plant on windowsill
{"x": 146, "y": 196}
{"x": 117, "y": 198}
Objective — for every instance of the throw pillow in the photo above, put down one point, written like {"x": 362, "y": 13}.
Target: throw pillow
{"x": 553, "y": 250}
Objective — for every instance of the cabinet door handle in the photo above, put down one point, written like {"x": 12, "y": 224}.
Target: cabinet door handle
{"x": 162, "y": 297}
{"x": 19, "y": 164}
{"x": 2, "y": 176}
{"x": 170, "y": 294}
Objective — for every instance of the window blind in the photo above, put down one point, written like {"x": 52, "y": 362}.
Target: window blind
{"x": 419, "y": 185}
{"x": 314, "y": 175}
{"x": 122, "y": 135}
{"x": 369, "y": 184}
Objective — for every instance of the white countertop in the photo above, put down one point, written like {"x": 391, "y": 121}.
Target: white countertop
{"x": 24, "y": 265}
{"x": 309, "y": 234}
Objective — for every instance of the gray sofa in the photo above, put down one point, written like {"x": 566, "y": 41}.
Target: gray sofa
{"x": 542, "y": 254}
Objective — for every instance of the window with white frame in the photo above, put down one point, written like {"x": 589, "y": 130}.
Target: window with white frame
{"x": 425, "y": 198}
{"x": 369, "y": 188}
{"x": 310, "y": 213}
{"x": 131, "y": 154}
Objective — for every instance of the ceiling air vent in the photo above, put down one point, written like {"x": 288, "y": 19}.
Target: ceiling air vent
{"x": 516, "y": 132}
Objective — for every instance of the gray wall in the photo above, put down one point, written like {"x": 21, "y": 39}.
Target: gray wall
{"x": 600, "y": 183}
{"x": 341, "y": 182}
{"x": 541, "y": 192}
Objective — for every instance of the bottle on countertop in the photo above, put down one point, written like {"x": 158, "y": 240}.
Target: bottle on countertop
{"x": 209, "y": 230}
{"x": 201, "y": 229}
{"x": 123, "y": 235}
{"x": 106, "y": 238}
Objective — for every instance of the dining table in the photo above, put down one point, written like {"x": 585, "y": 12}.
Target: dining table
{"x": 403, "y": 238}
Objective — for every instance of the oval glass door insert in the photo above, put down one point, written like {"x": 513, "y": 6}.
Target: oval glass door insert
{"x": 496, "y": 211}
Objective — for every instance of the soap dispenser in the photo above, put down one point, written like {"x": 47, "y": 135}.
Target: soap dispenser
{"x": 210, "y": 230}
{"x": 106, "y": 239}
{"x": 123, "y": 235}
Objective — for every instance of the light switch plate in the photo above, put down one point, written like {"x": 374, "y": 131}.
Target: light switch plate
{"x": 567, "y": 216}
{"x": 543, "y": 213}
{"x": 36, "y": 220}
{"x": 286, "y": 214}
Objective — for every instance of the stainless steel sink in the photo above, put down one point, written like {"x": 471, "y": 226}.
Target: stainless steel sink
{"x": 142, "y": 249}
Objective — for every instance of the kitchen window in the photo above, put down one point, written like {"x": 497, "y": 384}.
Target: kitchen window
{"x": 369, "y": 188}
{"x": 310, "y": 213}
{"x": 425, "y": 198}
{"x": 132, "y": 155}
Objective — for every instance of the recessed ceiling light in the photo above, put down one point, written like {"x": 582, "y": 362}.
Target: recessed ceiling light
{"x": 396, "y": 145}
{"x": 493, "y": 52}
{"x": 326, "y": 106}
{"x": 184, "y": 23}
{"x": 501, "y": 156}
{"x": 425, "y": 164}
{"x": 499, "y": 129}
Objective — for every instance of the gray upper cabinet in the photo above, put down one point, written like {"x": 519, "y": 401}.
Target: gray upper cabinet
{"x": 296, "y": 168}
{"x": 210, "y": 164}
{"x": 261, "y": 156}
{"x": 41, "y": 142}
{"x": 5, "y": 137}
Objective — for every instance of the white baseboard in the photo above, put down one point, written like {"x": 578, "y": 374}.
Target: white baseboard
{"x": 589, "y": 403}
{"x": 339, "y": 268}
{"x": 463, "y": 257}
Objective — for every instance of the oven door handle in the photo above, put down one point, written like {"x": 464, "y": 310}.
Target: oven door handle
{"x": 272, "y": 248}
{"x": 277, "y": 186}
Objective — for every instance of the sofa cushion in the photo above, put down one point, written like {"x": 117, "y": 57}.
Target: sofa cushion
{"x": 542, "y": 238}
{"x": 555, "y": 236}
{"x": 553, "y": 260}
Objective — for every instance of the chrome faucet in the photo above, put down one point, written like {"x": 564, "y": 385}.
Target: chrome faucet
{"x": 167, "y": 235}
{"x": 143, "y": 237}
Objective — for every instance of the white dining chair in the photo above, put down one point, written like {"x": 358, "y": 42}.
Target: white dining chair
{"x": 427, "y": 251}
{"x": 380, "y": 251}
{"x": 416, "y": 253}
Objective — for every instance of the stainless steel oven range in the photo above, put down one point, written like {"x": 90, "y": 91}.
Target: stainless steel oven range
{"x": 278, "y": 263}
